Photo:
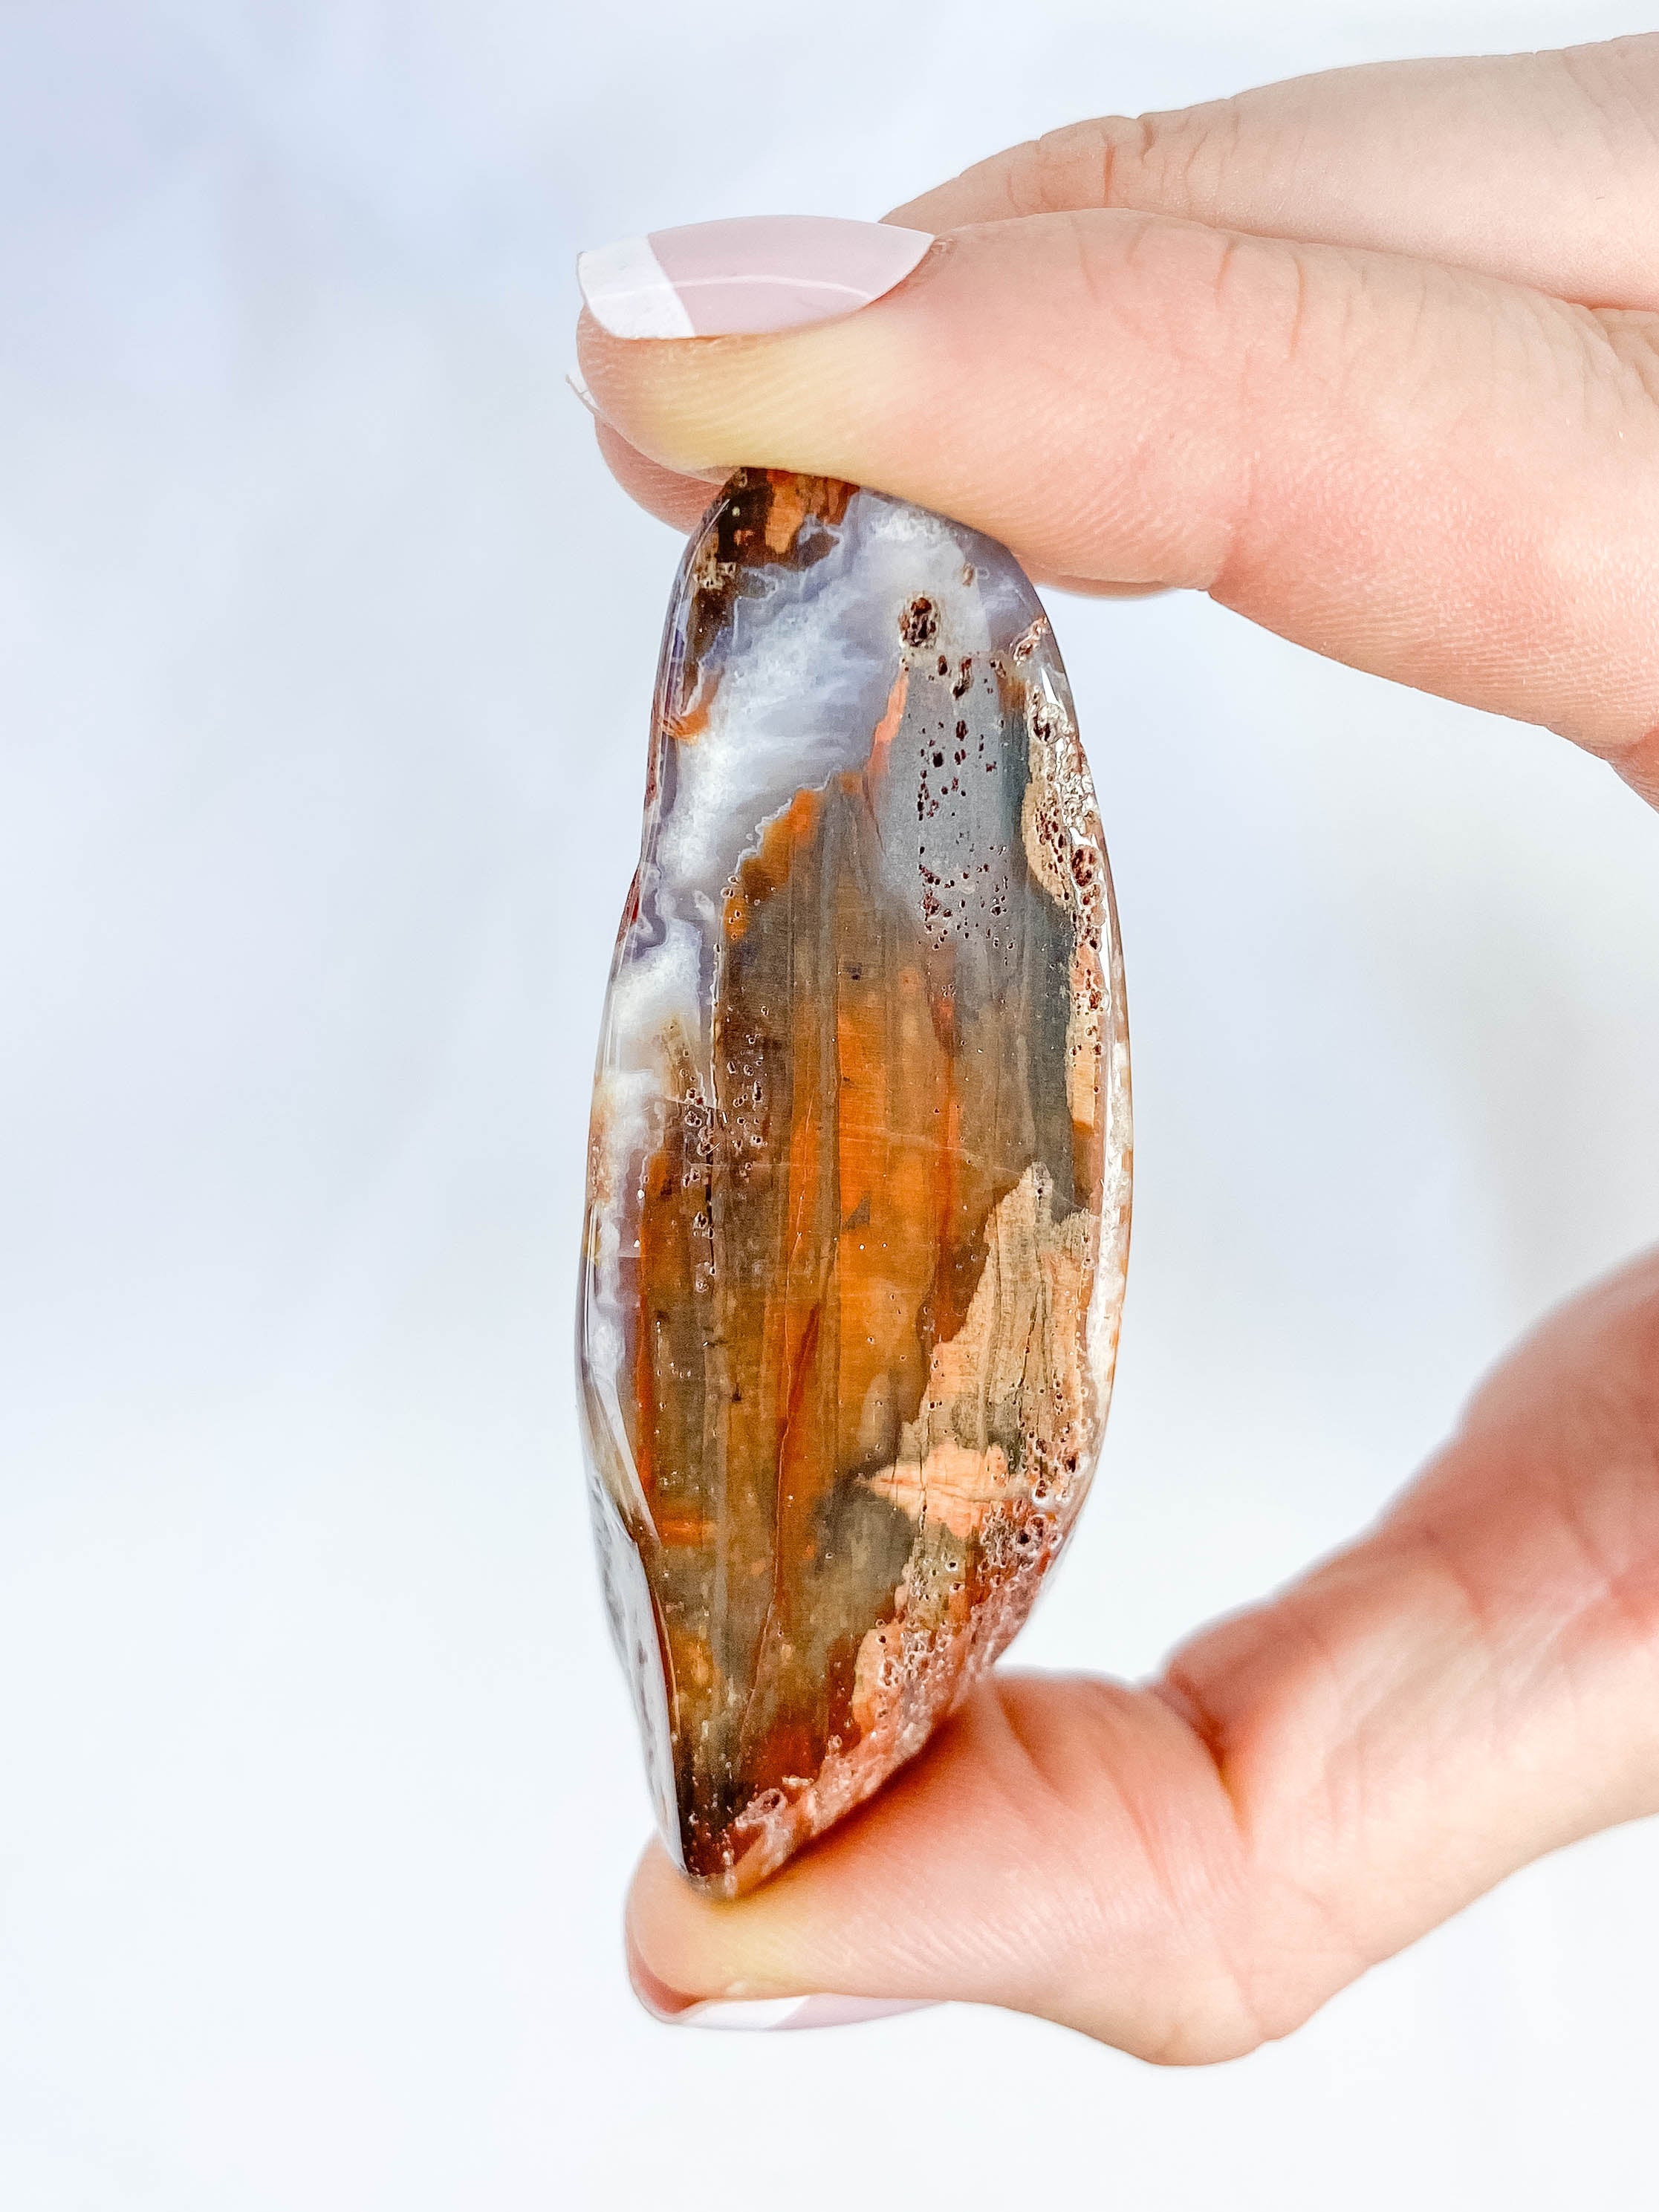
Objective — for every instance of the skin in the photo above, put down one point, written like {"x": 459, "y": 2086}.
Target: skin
{"x": 1372, "y": 358}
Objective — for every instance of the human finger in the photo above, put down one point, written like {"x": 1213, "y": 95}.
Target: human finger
{"x": 678, "y": 500}
{"x": 1188, "y": 1869}
{"x": 1442, "y": 478}
{"x": 1542, "y": 168}
{"x": 683, "y": 501}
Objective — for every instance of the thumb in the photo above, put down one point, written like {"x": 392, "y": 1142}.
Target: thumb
{"x": 1186, "y": 1869}
{"x": 1436, "y": 476}
{"x": 1066, "y": 1848}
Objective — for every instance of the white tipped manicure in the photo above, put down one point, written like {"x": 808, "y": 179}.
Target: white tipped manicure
{"x": 745, "y": 276}
{"x": 630, "y": 294}
{"x": 757, "y": 2013}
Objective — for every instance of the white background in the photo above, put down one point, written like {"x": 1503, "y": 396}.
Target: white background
{"x": 327, "y": 648}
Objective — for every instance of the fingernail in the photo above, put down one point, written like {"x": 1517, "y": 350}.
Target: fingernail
{"x": 753, "y": 2015}
{"x": 754, "y": 273}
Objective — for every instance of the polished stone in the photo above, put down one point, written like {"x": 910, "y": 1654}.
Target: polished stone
{"x": 859, "y": 1176}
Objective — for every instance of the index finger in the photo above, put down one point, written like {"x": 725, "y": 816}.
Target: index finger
{"x": 1542, "y": 168}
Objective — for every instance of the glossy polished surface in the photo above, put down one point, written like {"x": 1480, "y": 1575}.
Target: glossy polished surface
{"x": 859, "y": 1185}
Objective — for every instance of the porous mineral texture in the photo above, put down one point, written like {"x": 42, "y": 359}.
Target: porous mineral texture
{"x": 859, "y": 1176}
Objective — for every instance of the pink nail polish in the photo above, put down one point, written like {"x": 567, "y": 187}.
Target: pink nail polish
{"x": 754, "y": 273}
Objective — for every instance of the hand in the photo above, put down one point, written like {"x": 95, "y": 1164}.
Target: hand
{"x": 1373, "y": 359}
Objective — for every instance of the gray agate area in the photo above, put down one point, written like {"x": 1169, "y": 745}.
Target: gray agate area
{"x": 864, "y": 1042}
{"x": 786, "y": 697}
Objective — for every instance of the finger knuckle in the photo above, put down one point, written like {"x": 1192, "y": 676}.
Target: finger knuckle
{"x": 1169, "y": 164}
{"x": 1092, "y": 164}
{"x": 1184, "y": 156}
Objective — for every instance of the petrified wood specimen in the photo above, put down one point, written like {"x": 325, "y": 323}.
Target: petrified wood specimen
{"x": 859, "y": 1177}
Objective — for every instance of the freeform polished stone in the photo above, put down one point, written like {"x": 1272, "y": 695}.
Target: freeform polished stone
{"x": 859, "y": 1174}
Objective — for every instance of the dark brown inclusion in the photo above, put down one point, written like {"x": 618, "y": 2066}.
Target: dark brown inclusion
{"x": 857, "y": 1389}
